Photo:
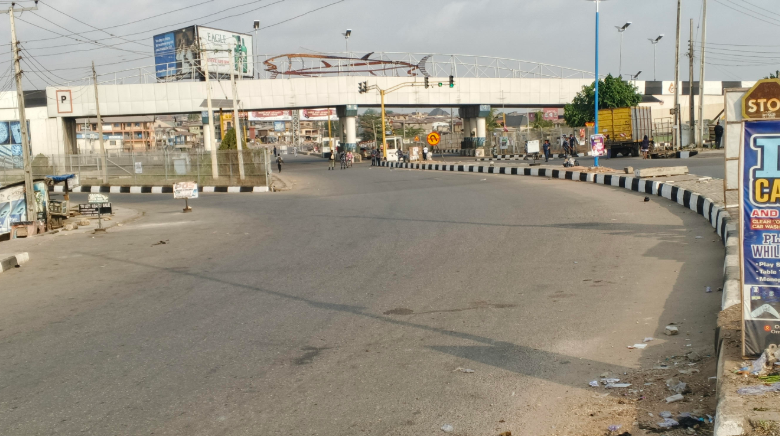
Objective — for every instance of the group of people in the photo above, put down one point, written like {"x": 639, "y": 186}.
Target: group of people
{"x": 569, "y": 145}
{"x": 376, "y": 157}
{"x": 347, "y": 158}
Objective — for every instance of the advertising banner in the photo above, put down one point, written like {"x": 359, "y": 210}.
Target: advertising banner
{"x": 11, "y": 144}
{"x": 597, "y": 145}
{"x": 550, "y": 114}
{"x": 279, "y": 126}
{"x": 185, "y": 190}
{"x": 318, "y": 114}
{"x": 760, "y": 235}
{"x": 175, "y": 54}
{"x": 221, "y": 63}
{"x": 12, "y": 207}
{"x": 270, "y": 116}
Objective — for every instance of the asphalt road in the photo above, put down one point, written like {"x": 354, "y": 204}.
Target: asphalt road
{"x": 346, "y": 306}
{"x": 707, "y": 163}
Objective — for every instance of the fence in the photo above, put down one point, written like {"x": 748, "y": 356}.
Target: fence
{"x": 151, "y": 168}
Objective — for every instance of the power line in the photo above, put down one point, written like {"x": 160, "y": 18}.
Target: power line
{"x": 65, "y": 36}
{"x": 763, "y": 10}
{"x": 87, "y": 24}
{"x": 305, "y": 13}
{"x": 745, "y": 13}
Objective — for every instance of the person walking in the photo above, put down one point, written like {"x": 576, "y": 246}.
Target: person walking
{"x": 349, "y": 159}
{"x": 573, "y": 145}
{"x": 275, "y": 151}
{"x": 546, "y": 148}
{"x": 718, "y": 134}
{"x": 332, "y": 160}
{"x": 645, "y": 147}
{"x": 565, "y": 145}
{"x": 425, "y": 153}
{"x": 343, "y": 159}
{"x": 279, "y": 162}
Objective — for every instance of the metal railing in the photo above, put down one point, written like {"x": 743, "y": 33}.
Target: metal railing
{"x": 151, "y": 168}
{"x": 433, "y": 64}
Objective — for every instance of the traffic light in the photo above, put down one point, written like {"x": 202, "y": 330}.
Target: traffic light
{"x": 362, "y": 87}
{"x": 452, "y": 81}
{"x": 427, "y": 84}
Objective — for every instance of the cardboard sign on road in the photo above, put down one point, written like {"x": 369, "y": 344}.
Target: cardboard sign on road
{"x": 185, "y": 190}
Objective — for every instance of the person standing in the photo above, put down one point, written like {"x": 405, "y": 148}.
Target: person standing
{"x": 279, "y": 162}
{"x": 565, "y": 145}
{"x": 275, "y": 151}
{"x": 425, "y": 153}
{"x": 343, "y": 159}
{"x": 645, "y": 147}
{"x": 332, "y": 160}
{"x": 718, "y": 134}
{"x": 546, "y": 148}
{"x": 573, "y": 145}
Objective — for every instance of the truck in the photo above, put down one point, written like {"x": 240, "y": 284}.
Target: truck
{"x": 625, "y": 128}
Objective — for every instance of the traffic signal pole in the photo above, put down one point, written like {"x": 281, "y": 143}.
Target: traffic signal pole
{"x": 363, "y": 88}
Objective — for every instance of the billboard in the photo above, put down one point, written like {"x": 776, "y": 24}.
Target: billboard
{"x": 221, "y": 63}
{"x": 318, "y": 114}
{"x": 176, "y": 53}
{"x": 11, "y": 144}
{"x": 270, "y": 116}
{"x": 760, "y": 235}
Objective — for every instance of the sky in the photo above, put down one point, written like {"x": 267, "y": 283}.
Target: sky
{"x": 741, "y": 34}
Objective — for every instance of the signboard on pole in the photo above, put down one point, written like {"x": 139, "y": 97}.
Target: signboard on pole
{"x": 597, "y": 145}
{"x": 434, "y": 138}
{"x": 185, "y": 190}
{"x": 532, "y": 146}
{"x": 98, "y": 198}
{"x": 760, "y": 235}
{"x": 762, "y": 101}
{"x": 176, "y": 53}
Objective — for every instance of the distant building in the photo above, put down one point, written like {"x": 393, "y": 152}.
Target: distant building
{"x": 136, "y": 133}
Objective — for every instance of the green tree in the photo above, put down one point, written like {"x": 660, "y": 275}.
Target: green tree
{"x": 408, "y": 131}
{"x": 367, "y": 122}
{"x": 614, "y": 92}
{"x": 539, "y": 121}
{"x": 491, "y": 121}
{"x": 229, "y": 141}
{"x": 775, "y": 75}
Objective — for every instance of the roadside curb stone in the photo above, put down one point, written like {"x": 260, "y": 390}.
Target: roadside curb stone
{"x": 728, "y": 420}
{"x": 11, "y": 261}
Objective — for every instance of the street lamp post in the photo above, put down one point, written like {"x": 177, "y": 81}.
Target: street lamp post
{"x": 596, "y": 109}
{"x": 254, "y": 49}
{"x": 347, "y": 34}
{"x": 620, "y": 29}
{"x": 654, "y": 41}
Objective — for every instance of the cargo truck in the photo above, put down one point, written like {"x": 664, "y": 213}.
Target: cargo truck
{"x": 625, "y": 128}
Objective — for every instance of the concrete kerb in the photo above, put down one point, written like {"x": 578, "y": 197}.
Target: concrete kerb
{"x": 11, "y": 261}
{"x": 727, "y": 423}
{"x": 168, "y": 189}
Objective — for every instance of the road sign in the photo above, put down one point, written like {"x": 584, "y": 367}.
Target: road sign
{"x": 98, "y": 198}
{"x": 434, "y": 138}
{"x": 597, "y": 145}
{"x": 95, "y": 209}
{"x": 185, "y": 190}
{"x": 762, "y": 101}
{"x": 590, "y": 124}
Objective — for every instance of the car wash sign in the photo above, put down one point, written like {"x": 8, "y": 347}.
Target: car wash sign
{"x": 760, "y": 234}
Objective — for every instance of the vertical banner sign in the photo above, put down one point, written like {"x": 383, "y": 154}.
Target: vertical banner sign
{"x": 597, "y": 144}
{"x": 760, "y": 235}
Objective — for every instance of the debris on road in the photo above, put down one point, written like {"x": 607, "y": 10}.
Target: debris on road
{"x": 647, "y": 199}
{"x": 447, "y": 428}
{"x": 671, "y": 330}
{"x": 466, "y": 370}
{"x": 759, "y": 389}
{"x": 617, "y": 385}
{"x": 668, "y": 423}
{"x": 594, "y": 384}
{"x": 676, "y": 386}
{"x": 648, "y": 339}
{"x": 637, "y": 346}
{"x": 161, "y": 242}
{"x": 674, "y": 398}
{"x": 708, "y": 289}
{"x": 613, "y": 428}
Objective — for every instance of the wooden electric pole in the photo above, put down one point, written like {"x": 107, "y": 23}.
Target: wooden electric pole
{"x": 701, "y": 75}
{"x": 100, "y": 127}
{"x": 677, "y": 117}
{"x": 29, "y": 193}
{"x": 691, "y": 101}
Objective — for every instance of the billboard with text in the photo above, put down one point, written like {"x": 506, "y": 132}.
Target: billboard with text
{"x": 177, "y": 53}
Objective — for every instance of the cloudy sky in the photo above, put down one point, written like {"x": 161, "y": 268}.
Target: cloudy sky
{"x": 741, "y": 33}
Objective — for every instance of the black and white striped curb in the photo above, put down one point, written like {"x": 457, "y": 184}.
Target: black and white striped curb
{"x": 11, "y": 261}
{"x": 727, "y": 423}
{"x": 110, "y": 189}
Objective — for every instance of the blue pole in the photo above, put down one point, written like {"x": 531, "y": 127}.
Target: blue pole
{"x": 596, "y": 122}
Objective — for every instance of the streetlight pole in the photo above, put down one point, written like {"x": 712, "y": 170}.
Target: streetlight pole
{"x": 596, "y": 113}
{"x": 347, "y": 34}
{"x": 620, "y": 29}
{"x": 654, "y": 41}
{"x": 254, "y": 49}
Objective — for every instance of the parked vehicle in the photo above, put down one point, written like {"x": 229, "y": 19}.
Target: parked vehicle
{"x": 625, "y": 128}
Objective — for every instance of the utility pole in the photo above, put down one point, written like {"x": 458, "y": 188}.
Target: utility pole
{"x": 701, "y": 75}
{"x": 29, "y": 194}
{"x": 100, "y": 127}
{"x": 211, "y": 140}
{"x": 236, "y": 120}
{"x": 384, "y": 138}
{"x": 677, "y": 133}
{"x": 691, "y": 102}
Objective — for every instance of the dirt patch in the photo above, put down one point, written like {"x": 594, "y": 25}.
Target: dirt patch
{"x": 638, "y": 409}
{"x": 730, "y": 318}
